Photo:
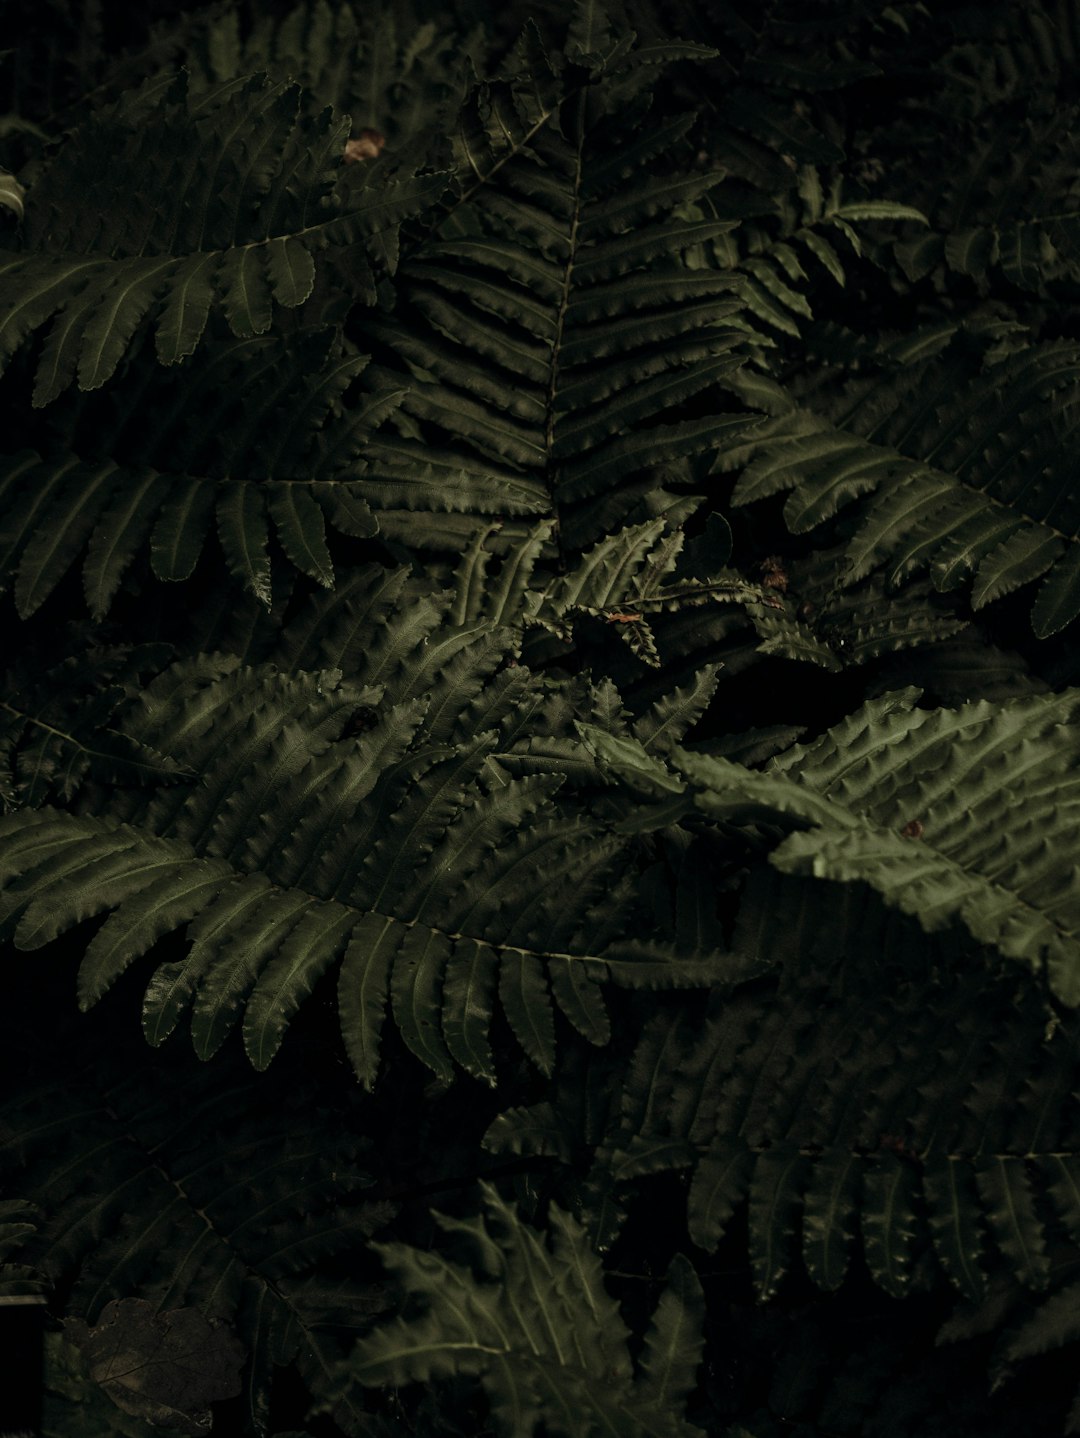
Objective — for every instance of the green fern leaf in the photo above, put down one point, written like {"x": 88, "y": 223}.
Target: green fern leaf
{"x": 877, "y": 210}
{"x": 18, "y": 1221}
{"x": 832, "y": 1118}
{"x": 180, "y": 531}
{"x": 504, "y": 325}
{"x": 576, "y": 992}
{"x": 58, "y": 727}
{"x": 159, "y": 906}
{"x": 416, "y": 994}
{"x": 668, "y": 720}
{"x": 242, "y": 530}
{"x": 890, "y": 1230}
{"x": 308, "y": 951}
{"x": 121, "y": 530}
{"x": 774, "y": 1187}
{"x": 524, "y": 997}
{"x": 946, "y": 497}
{"x": 187, "y": 309}
{"x": 954, "y": 1223}
{"x": 853, "y": 819}
{"x": 672, "y": 1351}
{"x": 11, "y": 194}
{"x": 469, "y": 1005}
{"x": 229, "y": 975}
{"x": 830, "y": 1203}
{"x": 302, "y": 531}
{"x": 720, "y": 1183}
{"x": 404, "y": 863}
{"x": 1011, "y": 1215}
{"x": 589, "y": 39}
{"x": 533, "y": 1323}
{"x": 1062, "y": 1173}
{"x": 388, "y": 70}
{"x": 1052, "y": 1325}
{"x": 61, "y": 535}
{"x": 362, "y": 989}
{"x": 299, "y": 458}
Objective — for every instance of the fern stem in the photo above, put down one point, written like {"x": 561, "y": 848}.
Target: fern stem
{"x": 560, "y": 320}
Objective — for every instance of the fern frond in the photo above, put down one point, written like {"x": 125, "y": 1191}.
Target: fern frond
{"x": 643, "y": 583}
{"x": 862, "y": 621}
{"x": 382, "y": 377}
{"x": 781, "y": 264}
{"x": 388, "y": 70}
{"x": 18, "y": 1222}
{"x": 234, "y": 198}
{"x": 553, "y": 335}
{"x": 58, "y": 722}
{"x": 969, "y": 667}
{"x": 972, "y": 486}
{"x": 272, "y": 468}
{"x": 993, "y": 218}
{"x": 532, "y": 1321}
{"x": 404, "y": 860}
{"x": 939, "y": 1123}
{"x": 913, "y": 803}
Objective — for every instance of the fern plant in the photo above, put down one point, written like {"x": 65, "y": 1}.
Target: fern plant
{"x": 536, "y": 1324}
{"x": 541, "y": 583}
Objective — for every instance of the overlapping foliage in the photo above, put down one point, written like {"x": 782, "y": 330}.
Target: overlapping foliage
{"x": 541, "y": 572}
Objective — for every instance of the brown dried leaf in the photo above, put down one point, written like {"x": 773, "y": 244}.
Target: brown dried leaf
{"x": 365, "y": 146}
{"x": 775, "y": 575}
{"x": 166, "y": 1368}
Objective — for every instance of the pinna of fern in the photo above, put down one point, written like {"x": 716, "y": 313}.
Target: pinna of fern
{"x": 580, "y": 320}
{"x": 616, "y": 334}
{"x": 390, "y": 70}
{"x": 441, "y": 783}
{"x": 858, "y": 1154}
{"x": 58, "y": 720}
{"x": 1003, "y": 219}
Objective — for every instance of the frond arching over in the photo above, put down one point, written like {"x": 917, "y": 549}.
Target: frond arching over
{"x": 953, "y": 815}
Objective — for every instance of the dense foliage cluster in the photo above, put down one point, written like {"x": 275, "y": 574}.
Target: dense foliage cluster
{"x": 540, "y": 568}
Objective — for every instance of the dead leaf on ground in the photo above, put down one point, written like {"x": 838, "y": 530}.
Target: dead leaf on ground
{"x": 166, "y": 1368}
